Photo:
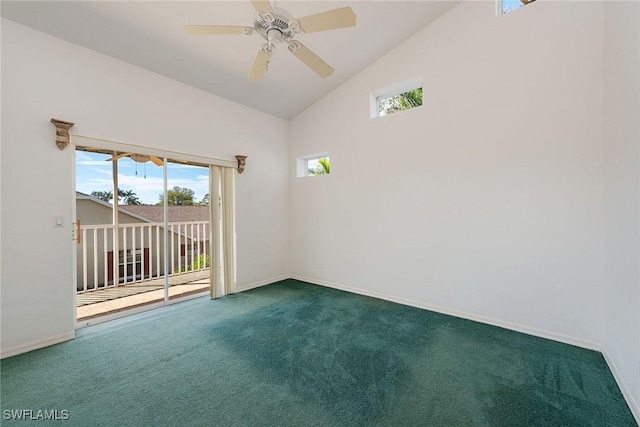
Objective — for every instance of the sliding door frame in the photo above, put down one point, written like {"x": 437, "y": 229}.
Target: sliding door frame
{"x": 115, "y": 147}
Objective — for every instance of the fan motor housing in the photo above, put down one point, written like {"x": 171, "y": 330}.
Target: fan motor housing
{"x": 275, "y": 27}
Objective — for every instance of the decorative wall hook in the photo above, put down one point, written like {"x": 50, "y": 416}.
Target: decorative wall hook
{"x": 62, "y": 132}
{"x": 241, "y": 163}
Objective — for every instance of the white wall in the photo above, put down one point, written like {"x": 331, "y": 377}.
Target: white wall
{"x": 488, "y": 199}
{"x": 622, "y": 191}
{"x": 44, "y": 77}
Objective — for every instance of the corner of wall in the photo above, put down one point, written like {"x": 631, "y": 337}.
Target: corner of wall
{"x": 634, "y": 406}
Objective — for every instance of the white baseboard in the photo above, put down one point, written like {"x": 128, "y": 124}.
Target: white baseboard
{"x": 34, "y": 345}
{"x": 470, "y": 316}
{"x": 262, "y": 283}
{"x": 626, "y": 392}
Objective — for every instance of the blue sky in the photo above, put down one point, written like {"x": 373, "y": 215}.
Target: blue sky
{"x": 509, "y": 5}
{"x": 94, "y": 173}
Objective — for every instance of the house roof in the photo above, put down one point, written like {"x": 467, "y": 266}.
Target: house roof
{"x": 155, "y": 213}
{"x": 83, "y": 196}
{"x": 181, "y": 214}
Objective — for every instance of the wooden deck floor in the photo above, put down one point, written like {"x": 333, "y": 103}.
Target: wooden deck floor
{"x": 106, "y": 301}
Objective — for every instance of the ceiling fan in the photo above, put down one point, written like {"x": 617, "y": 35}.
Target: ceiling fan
{"x": 276, "y": 25}
{"x": 140, "y": 158}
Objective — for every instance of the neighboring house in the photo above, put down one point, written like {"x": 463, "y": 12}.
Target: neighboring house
{"x": 187, "y": 216}
{"x": 180, "y": 214}
{"x": 141, "y": 240}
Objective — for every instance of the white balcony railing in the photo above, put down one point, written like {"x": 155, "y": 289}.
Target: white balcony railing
{"x": 140, "y": 253}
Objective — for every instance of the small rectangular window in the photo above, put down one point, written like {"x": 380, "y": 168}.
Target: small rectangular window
{"x": 506, "y": 6}
{"x": 318, "y": 164}
{"x": 399, "y": 97}
{"x": 400, "y": 102}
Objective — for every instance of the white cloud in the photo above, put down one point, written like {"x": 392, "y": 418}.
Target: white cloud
{"x": 84, "y": 159}
{"x": 94, "y": 174}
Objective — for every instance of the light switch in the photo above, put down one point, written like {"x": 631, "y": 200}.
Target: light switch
{"x": 58, "y": 220}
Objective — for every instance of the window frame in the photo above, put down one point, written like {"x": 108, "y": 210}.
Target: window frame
{"x": 303, "y": 164}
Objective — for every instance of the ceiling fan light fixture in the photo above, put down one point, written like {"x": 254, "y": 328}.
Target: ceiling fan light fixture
{"x": 274, "y": 27}
{"x": 274, "y": 35}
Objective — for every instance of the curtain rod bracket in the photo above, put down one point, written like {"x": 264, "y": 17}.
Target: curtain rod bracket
{"x": 241, "y": 162}
{"x": 62, "y": 132}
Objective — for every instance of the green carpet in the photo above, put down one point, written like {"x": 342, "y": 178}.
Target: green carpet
{"x": 296, "y": 354}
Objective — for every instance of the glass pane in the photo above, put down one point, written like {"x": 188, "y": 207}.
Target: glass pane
{"x": 319, "y": 166}
{"x": 400, "y": 102}
{"x": 188, "y": 241}
{"x": 509, "y": 5}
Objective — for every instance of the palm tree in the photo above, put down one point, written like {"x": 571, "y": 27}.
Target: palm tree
{"x": 129, "y": 197}
{"x": 105, "y": 196}
{"x": 411, "y": 99}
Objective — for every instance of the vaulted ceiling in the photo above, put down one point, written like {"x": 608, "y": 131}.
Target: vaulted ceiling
{"x": 150, "y": 34}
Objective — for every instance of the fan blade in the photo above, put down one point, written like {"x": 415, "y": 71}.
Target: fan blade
{"x": 217, "y": 29}
{"x": 262, "y": 6}
{"x": 259, "y": 65}
{"x": 329, "y": 20}
{"x": 312, "y": 60}
{"x": 118, "y": 156}
{"x": 157, "y": 160}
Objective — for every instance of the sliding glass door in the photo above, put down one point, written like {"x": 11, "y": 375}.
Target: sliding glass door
{"x": 188, "y": 228}
{"x": 142, "y": 232}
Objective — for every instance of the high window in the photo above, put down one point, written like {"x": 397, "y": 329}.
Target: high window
{"x": 399, "y": 97}
{"x": 315, "y": 165}
{"x": 506, "y": 6}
